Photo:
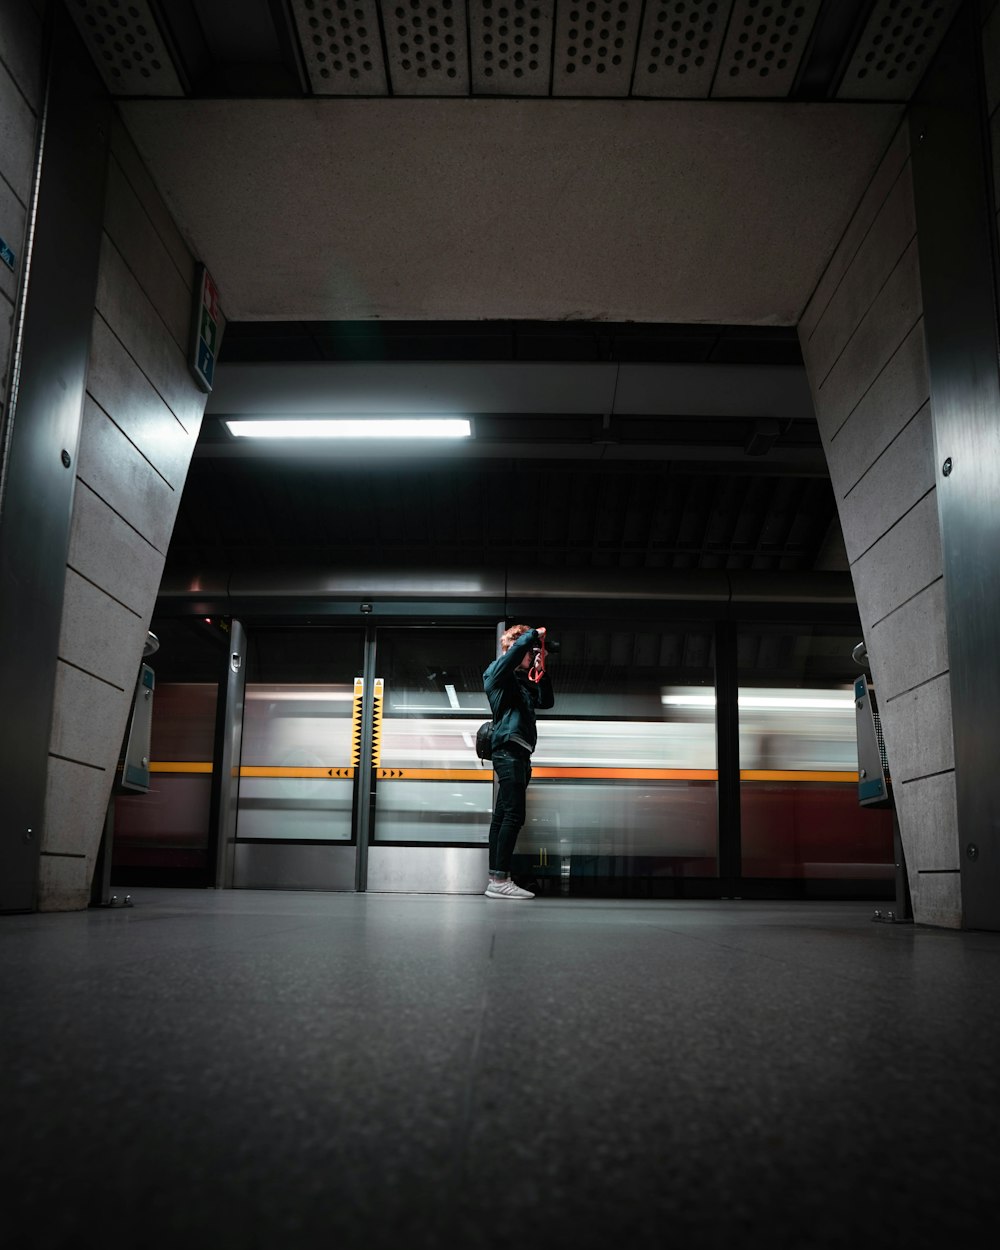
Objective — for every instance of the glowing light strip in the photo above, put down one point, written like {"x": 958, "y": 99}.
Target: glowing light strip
{"x": 559, "y": 771}
{"x": 485, "y": 773}
{"x": 353, "y": 427}
{"x": 299, "y": 696}
{"x": 287, "y": 770}
{"x": 760, "y": 703}
{"x": 180, "y": 766}
{"x": 798, "y": 774}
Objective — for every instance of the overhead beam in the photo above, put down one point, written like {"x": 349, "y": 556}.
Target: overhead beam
{"x": 682, "y": 390}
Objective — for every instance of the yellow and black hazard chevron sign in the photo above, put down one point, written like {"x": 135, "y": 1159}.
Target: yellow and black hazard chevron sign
{"x": 377, "y": 700}
{"x": 359, "y": 692}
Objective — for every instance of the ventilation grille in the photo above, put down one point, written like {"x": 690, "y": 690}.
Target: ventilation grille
{"x": 881, "y": 743}
{"x": 679, "y": 47}
{"x": 595, "y": 43}
{"x": 895, "y": 48}
{"x": 127, "y": 47}
{"x": 341, "y": 46}
{"x": 765, "y": 44}
{"x": 511, "y": 44}
{"x": 426, "y": 46}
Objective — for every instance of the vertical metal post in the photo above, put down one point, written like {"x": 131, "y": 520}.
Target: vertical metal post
{"x": 954, "y": 208}
{"x": 365, "y": 785}
{"x": 501, "y": 627}
{"x": 904, "y": 904}
{"x": 100, "y": 889}
{"x": 39, "y": 468}
{"x": 229, "y": 749}
{"x": 727, "y": 752}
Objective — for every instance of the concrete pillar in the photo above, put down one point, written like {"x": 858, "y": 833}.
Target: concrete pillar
{"x": 895, "y": 385}
{"x": 141, "y": 419}
{"x": 135, "y": 421}
{"x": 862, "y": 338}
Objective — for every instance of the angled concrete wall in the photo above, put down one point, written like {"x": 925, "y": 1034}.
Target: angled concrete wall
{"x": 863, "y": 342}
{"x": 21, "y": 93}
{"x": 141, "y": 419}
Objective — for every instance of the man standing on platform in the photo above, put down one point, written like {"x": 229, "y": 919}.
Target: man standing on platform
{"x": 516, "y": 684}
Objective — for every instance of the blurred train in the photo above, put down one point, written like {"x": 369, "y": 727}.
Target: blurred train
{"x": 615, "y": 788}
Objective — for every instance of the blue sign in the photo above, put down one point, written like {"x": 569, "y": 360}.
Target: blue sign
{"x": 206, "y": 361}
{"x": 873, "y": 788}
{"x": 7, "y": 254}
{"x": 205, "y": 329}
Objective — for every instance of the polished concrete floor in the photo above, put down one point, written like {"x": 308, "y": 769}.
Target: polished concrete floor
{"x": 248, "y": 1069}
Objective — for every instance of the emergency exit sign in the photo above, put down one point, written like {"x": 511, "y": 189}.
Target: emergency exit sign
{"x": 206, "y": 329}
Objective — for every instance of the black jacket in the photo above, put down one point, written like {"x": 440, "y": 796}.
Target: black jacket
{"x": 513, "y": 697}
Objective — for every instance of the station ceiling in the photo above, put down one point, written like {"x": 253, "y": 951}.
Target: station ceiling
{"x": 597, "y": 466}
{"x": 568, "y": 184}
{"x": 615, "y": 160}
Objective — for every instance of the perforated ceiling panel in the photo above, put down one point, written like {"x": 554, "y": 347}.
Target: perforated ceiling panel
{"x": 595, "y": 42}
{"x": 764, "y": 46}
{"x": 679, "y": 47}
{"x": 426, "y": 46}
{"x": 127, "y": 47}
{"x": 511, "y": 42}
{"x": 341, "y": 45}
{"x": 895, "y": 48}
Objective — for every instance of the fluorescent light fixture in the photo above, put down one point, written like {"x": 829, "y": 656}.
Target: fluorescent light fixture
{"x": 353, "y": 427}
{"x": 452, "y": 696}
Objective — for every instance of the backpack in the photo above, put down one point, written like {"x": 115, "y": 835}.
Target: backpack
{"x": 484, "y": 740}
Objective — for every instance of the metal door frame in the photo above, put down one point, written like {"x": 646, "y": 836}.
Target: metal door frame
{"x": 363, "y": 814}
{"x": 335, "y": 866}
{"x": 403, "y": 868}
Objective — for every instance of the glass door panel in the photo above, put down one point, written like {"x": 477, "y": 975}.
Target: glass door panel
{"x": 624, "y": 775}
{"x": 799, "y": 810}
{"x": 624, "y": 783}
{"x": 169, "y": 827}
{"x": 164, "y": 837}
{"x": 431, "y": 786}
{"x": 300, "y": 726}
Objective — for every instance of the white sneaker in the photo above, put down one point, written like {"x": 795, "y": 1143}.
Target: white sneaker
{"x": 506, "y": 889}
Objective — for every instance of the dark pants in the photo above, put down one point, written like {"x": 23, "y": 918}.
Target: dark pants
{"x": 512, "y": 769}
